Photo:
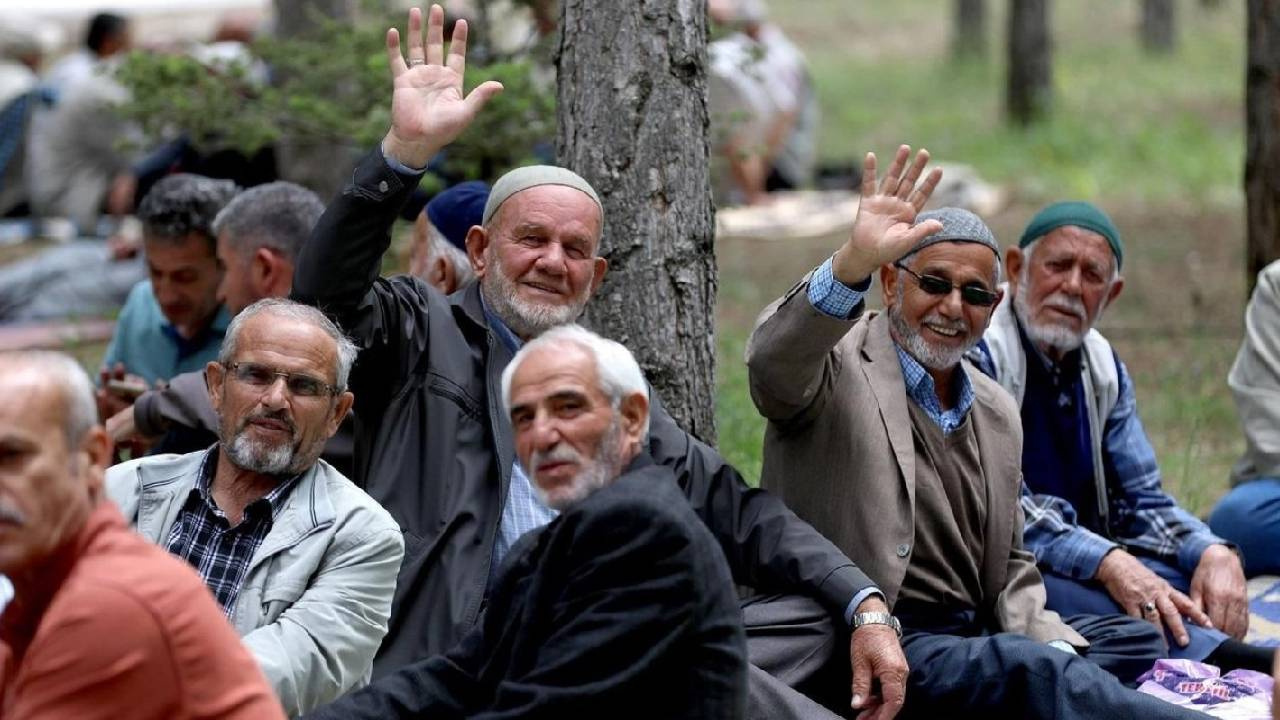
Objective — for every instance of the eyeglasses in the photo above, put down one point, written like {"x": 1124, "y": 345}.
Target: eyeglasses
{"x": 972, "y": 294}
{"x": 261, "y": 376}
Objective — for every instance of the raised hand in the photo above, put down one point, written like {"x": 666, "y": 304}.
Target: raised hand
{"x": 883, "y": 230}
{"x": 428, "y": 108}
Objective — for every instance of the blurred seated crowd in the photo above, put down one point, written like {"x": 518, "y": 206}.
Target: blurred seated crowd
{"x": 300, "y": 487}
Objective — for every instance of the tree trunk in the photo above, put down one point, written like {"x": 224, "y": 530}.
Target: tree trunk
{"x": 632, "y": 119}
{"x": 969, "y": 31}
{"x": 1029, "y": 92}
{"x": 1158, "y": 27}
{"x": 1262, "y": 150}
{"x": 309, "y": 163}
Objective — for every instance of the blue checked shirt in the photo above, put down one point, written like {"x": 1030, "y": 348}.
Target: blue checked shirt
{"x": 1143, "y": 517}
{"x": 220, "y": 553}
{"x": 523, "y": 511}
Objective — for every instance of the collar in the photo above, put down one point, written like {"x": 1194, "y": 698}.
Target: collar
{"x": 922, "y": 390}
{"x": 216, "y": 328}
{"x": 499, "y": 328}
{"x": 273, "y": 501}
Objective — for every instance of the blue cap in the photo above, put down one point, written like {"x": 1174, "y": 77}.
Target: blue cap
{"x": 456, "y": 209}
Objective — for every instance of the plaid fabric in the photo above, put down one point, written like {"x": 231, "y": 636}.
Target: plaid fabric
{"x": 220, "y": 553}
{"x": 921, "y": 390}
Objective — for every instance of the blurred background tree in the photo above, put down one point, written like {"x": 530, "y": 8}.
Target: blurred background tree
{"x": 321, "y": 93}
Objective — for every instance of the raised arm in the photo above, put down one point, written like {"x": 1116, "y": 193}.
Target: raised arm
{"x": 789, "y": 354}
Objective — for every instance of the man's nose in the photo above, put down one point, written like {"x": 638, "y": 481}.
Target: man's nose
{"x": 552, "y": 259}
{"x": 952, "y": 306}
{"x": 276, "y": 394}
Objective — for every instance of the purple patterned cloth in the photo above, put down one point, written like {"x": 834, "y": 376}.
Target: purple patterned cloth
{"x": 1238, "y": 695}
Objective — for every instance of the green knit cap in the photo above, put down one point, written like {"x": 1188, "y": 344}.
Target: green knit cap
{"x": 1079, "y": 214}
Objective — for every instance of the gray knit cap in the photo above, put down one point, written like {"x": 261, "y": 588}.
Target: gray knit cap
{"x": 523, "y": 178}
{"x": 958, "y": 225}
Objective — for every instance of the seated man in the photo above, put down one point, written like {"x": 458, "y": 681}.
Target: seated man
{"x": 172, "y": 323}
{"x": 432, "y": 448}
{"x": 888, "y": 445}
{"x": 1249, "y": 515}
{"x": 439, "y": 251}
{"x": 105, "y": 626}
{"x": 1106, "y": 535}
{"x": 302, "y": 562}
{"x": 620, "y": 607}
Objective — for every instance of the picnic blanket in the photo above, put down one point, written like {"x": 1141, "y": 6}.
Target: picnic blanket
{"x": 1264, "y": 611}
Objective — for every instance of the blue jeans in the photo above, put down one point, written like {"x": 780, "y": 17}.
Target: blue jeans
{"x": 1067, "y": 596}
{"x": 1249, "y": 516}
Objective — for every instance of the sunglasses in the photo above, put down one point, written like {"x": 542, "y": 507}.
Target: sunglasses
{"x": 261, "y": 376}
{"x": 934, "y": 285}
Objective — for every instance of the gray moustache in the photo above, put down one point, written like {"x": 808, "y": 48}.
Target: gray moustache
{"x": 11, "y": 514}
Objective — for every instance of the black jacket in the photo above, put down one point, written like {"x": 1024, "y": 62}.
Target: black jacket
{"x": 622, "y": 607}
{"x": 434, "y": 447}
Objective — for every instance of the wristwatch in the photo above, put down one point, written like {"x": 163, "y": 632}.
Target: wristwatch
{"x": 877, "y": 618}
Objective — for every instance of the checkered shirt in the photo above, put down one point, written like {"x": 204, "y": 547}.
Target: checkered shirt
{"x": 221, "y": 554}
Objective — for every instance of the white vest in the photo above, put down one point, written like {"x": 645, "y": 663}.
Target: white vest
{"x": 1097, "y": 366}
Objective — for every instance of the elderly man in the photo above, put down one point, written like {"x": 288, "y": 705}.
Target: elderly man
{"x": 258, "y": 235}
{"x": 302, "y": 562}
{"x": 173, "y": 323}
{"x": 1249, "y": 515}
{"x": 881, "y": 438}
{"x": 432, "y": 446}
{"x": 105, "y": 626}
{"x": 439, "y": 251}
{"x": 1107, "y": 536}
{"x": 620, "y": 607}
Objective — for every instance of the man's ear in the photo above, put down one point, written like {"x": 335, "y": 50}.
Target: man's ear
{"x": 601, "y": 266}
{"x": 1116, "y": 287}
{"x": 477, "y": 244}
{"x": 1013, "y": 260}
{"x": 213, "y": 375}
{"x": 269, "y": 269}
{"x": 441, "y": 274}
{"x": 340, "y": 410}
{"x": 634, "y": 410}
{"x": 888, "y": 285}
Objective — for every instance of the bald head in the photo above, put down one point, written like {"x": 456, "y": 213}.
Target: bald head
{"x": 59, "y": 380}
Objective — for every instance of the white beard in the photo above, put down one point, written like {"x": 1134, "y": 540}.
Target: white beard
{"x": 931, "y": 356}
{"x": 259, "y": 457}
{"x": 525, "y": 319}
{"x": 1051, "y": 335}
{"x": 596, "y": 473}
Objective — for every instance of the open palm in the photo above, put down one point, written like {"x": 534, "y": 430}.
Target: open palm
{"x": 883, "y": 230}
{"x": 428, "y": 108}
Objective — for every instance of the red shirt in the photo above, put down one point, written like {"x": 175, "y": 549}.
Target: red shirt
{"x": 117, "y": 629}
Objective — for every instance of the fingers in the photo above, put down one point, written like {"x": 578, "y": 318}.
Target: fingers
{"x": 893, "y": 688}
{"x": 861, "y": 681}
{"x": 920, "y": 232}
{"x": 435, "y": 36}
{"x": 1192, "y": 609}
{"x": 908, "y": 184}
{"x": 868, "y": 175}
{"x": 416, "y": 56}
{"x": 925, "y": 191}
{"x": 457, "y": 60}
{"x": 1168, "y": 612}
{"x": 889, "y": 186}
{"x": 482, "y": 94}
{"x": 395, "y": 60}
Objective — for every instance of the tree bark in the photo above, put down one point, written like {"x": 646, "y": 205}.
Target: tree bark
{"x": 1029, "y": 92}
{"x": 632, "y": 119}
{"x": 1262, "y": 145}
{"x": 1158, "y": 28}
{"x": 309, "y": 163}
{"x": 969, "y": 30}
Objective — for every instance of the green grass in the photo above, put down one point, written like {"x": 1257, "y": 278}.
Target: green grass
{"x": 1158, "y": 142}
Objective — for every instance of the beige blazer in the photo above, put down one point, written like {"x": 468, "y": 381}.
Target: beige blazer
{"x": 839, "y": 451}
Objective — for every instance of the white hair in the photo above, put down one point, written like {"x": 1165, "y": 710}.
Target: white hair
{"x": 73, "y": 384}
{"x": 439, "y": 246}
{"x": 617, "y": 371}
{"x": 281, "y": 307}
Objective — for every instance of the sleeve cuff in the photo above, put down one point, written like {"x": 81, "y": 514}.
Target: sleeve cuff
{"x": 1194, "y": 546}
{"x": 832, "y": 297}
{"x": 857, "y": 600}
{"x": 398, "y": 166}
{"x": 1081, "y": 561}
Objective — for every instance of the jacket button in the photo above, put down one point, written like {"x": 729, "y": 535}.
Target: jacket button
{"x": 383, "y": 186}
{"x": 903, "y": 549}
